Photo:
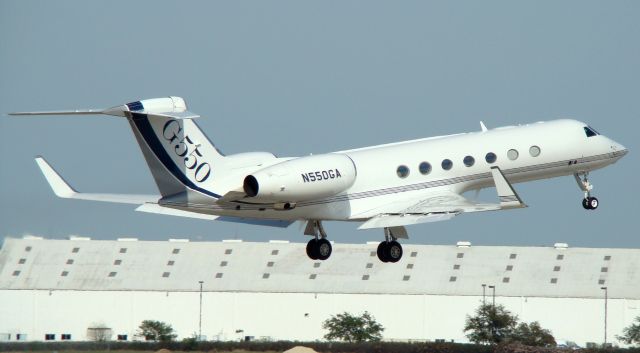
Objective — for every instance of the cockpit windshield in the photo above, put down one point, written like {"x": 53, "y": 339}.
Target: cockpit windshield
{"x": 590, "y": 131}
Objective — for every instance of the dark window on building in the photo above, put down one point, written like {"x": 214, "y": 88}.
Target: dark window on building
{"x": 65, "y": 336}
{"x": 123, "y": 250}
{"x": 166, "y": 274}
{"x": 175, "y": 251}
{"x": 49, "y": 337}
{"x": 425, "y": 168}
{"x": 22, "y": 261}
{"x": 122, "y": 337}
{"x": 447, "y": 164}
{"x": 275, "y": 252}
{"x": 469, "y": 161}
{"x": 75, "y": 250}
{"x": 402, "y": 171}
{"x": 490, "y": 158}
{"x": 117, "y": 262}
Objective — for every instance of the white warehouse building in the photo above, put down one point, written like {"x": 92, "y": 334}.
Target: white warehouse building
{"x": 61, "y": 289}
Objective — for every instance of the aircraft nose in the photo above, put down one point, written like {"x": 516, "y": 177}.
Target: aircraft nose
{"x": 618, "y": 149}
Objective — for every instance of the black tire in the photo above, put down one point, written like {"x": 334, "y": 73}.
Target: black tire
{"x": 312, "y": 249}
{"x": 323, "y": 249}
{"x": 393, "y": 251}
{"x": 382, "y": 252}
{"x": 593, "y": 203}
{"x": 585, "y": 203}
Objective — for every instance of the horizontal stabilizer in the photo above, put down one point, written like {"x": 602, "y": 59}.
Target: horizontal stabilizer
{"x": 62, "y": 189}
{"x": 62, "y": 112}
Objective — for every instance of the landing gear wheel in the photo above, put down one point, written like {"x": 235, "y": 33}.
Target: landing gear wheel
{"x": 592, "y": 203}
{"x": 394, "y": 251}
{"x": 312, "y": 249}
{"x": 585, "y": 204}
{"x": 323, "y": 249}
{"x": 382, "y": 252}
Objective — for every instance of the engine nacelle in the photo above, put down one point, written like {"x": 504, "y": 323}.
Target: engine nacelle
{"x": 302, "y": 179}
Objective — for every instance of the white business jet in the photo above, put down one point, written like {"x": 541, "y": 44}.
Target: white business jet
{"x": 387, "y": 186}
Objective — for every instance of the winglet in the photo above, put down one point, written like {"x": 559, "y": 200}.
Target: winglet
{"x": 483, "y": 127}
{"x": 60, "y": 187}
{"x": 508, "y": 196}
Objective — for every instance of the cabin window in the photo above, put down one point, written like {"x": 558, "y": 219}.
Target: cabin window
{"x": 534, "y": 151}
{"x": 490, "y": 158}
{"x": 590, "y": 132}
{"x": 469, "y": 161}
{"x": 447, "y": 164}
{"x": 512, "y": 154}
{"x": 402, "y": 171}
{"x": 425, "y": 168}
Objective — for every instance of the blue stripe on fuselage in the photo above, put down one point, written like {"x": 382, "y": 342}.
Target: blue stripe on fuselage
{"x": 143, "y": 125}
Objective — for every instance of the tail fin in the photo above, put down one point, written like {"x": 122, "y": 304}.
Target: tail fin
{"x": 180, "y": 156}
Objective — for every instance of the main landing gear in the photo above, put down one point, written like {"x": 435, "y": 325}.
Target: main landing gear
{"x": 390, "y": 250}
{"x": 318, "y": 248}
{"x": 588, "y": 202}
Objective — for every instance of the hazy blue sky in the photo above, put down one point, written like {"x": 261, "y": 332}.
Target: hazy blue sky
{"x": 299, "y": 77}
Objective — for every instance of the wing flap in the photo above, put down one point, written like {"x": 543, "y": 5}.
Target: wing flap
{"x": 389, "y": 220}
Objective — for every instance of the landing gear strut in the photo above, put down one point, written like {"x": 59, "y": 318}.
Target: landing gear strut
{"x": 588, "y": 202}
{"x": 390, "y": 250}
{"x": 318, "y": 248}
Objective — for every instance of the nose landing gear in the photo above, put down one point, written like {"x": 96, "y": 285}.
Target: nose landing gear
{"x": 588, "y": 202}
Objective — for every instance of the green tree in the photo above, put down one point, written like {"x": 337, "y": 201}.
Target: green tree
{"x": 532, "y": 335}
{"x": 153, "y": 330}
{"x": 350, "y": 328}
{"x": 490, "y": 324}
{"x": 631, "y": 334}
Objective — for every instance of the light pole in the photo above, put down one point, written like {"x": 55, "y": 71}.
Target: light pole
{"x": 484, "y": 288}
{"x": 200, "y": 320}
{"x": 606, "y": 299}
{"x": 493, "y": 295}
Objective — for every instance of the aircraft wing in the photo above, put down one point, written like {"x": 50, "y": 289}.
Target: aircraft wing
{"x": 444, "y": 205}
